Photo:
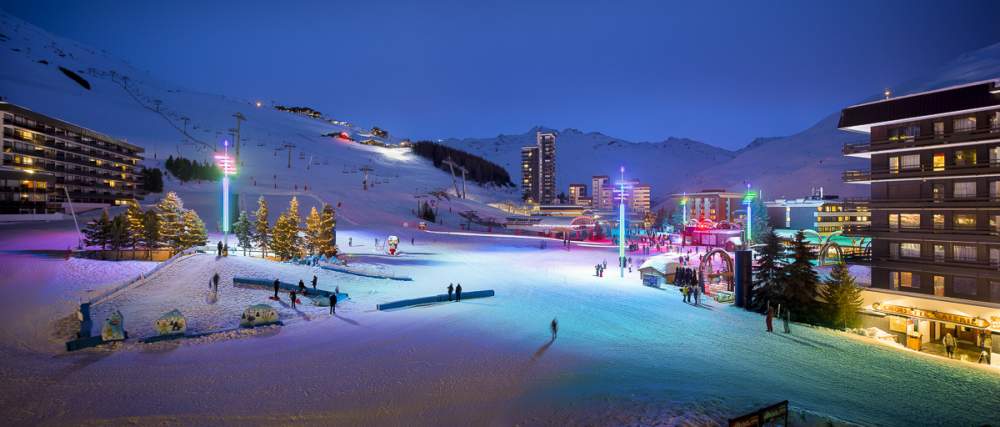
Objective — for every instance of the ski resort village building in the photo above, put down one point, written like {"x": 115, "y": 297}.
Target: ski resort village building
{"x": 45, "y": 159}
{"x": 538, "y": 170}
{"x": 934, "y": 179}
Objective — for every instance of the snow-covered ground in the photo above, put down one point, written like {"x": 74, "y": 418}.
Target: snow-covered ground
{"x": 626, "y": 354}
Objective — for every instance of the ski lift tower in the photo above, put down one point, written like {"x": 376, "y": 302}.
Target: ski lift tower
{"x": 452, "y": 166}
{"x": 228, "y": 166}
{"x": 289, "y": 147}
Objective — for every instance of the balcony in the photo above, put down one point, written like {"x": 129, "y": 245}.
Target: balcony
{"x": 866, "y": 148}
{"x": 857, "y": 176}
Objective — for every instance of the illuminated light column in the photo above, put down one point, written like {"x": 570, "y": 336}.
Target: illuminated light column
{"x": 621, "y": 226}
{"x": 748, "y": 200}
{"x": 228, "y": 167}
{"x": 684, "y": 211}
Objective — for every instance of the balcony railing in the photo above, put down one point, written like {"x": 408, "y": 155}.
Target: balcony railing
{"x": 857, "y": 147}
{"x": 921, "y": 171}
{"x": 857, "y": 175}
{"x": 983, "y": 265}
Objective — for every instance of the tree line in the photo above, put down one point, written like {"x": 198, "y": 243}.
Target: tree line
{"x": 319, "y": 236}
{"x": 788, "y": 279}
{"x": 480, "y": 170}
{"x": 152, "y": 180}
{"x": 166, "y": 225}
{"x": 187, "y": 170}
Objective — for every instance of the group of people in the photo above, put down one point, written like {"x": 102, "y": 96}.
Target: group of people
{"x": 599, "y": 268}
{"x": 457, "y": 290}
{"x": 985, "y": 347}
{"x": 222, "y": 249}
{"x": 293, "y": 295}
{"x": 687, "y": 279}
{"x": 785, "y": 316}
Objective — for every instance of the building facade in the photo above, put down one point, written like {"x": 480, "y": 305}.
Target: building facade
{"x": 538, "y": 169}
{"x": 576, "y": 193}
{"x": 824, "y": 214}
{"x": 92, "y": 168}
{"x": 934, "y": 178}
{"x": 713, "y": 205}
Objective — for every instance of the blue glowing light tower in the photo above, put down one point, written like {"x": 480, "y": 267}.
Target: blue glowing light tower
{"x": 748, "y": 198}
{"x": 621, "y": 225}
{"x": 228, "y": 167}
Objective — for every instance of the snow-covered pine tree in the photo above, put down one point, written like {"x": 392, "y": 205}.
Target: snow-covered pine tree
{"x": 286, "y": 243}
{"x": 768, "y": 277}
{"x": 262, "y": 229}
{"x": 280, "y": 240}
{"x": 151, "y": 229}
{"x": 243, "y": 230}
{"x": 118, "y": 235}
{"x": 97, "y": 231}
{"x": 170, "y": 210}
{"x": 193, "y": 233}
{"x": 135, "y": 224}
{"x": 842, "y": 297}
{"x": 313, "y": 232}
{"x": 328, "y": 231}
{"x": 800, "y": 290}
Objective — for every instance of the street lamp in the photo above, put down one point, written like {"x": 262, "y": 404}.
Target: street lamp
{"x": 228, "y": 167}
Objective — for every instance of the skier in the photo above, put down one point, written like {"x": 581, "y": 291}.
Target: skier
{"x": 333, "y": 304}
{"x": 769, "y": 318}
{"x": 786, "y": 319}
{"x": 458, "y": 292}
{"x": 451, "y": 289}
{"x": 949, "y": 345}
{"x": 554, "y": 327}
{"x": 314, "y": 282}
{"x": 292, "y": 296}
{"x": 277, "y": 285}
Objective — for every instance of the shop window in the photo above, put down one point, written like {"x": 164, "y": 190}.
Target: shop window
{"x": 964, "y": 286}
{"x": 939, "y": 286}
{"x": 966, "y": 253}
{"x": 939, "y": 162}
{"x": 965, "y": 221}
{"x": 965, "y": 189}
{"x": 965, "y": 157}
{"x": 910, "y": 250}
{"x": 965, "y": 124}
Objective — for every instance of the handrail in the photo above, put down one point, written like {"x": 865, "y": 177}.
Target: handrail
{"x": 932, "y": 139}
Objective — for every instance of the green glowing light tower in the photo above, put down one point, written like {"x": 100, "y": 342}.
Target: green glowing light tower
{"x": 748, "y": 199}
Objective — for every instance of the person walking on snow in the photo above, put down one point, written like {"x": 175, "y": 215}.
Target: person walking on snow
{"x": 949, "y": 345}
{"x": 451, "y": 289}
{"x": 277, "y": 285}
{"x": 786, "y": 319}
{"x": 218, "y": 251}
{"x": 458, "y": 292}
{"x": 333, "y": 304}
{"x": 350, "y": 241}
{"x": 314, "y": 282}
{"x": 554, "y": 327}
{"x": 769, "y": 318}
{"x": 292, "y": 296}
{"x": 302, "y": 287}
{"x": 215, "y": 282}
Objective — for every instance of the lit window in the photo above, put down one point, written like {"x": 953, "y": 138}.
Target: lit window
{"x": 938, "y": 162}
{"x": 965, "y": 221}
{"x": 963, "y": 252}
{"x": 965, "y": 124}
{"x": 911, "y": 220}
{"x": 894, "y": 165}
{"x": 938, "y": 221}
{"x": 911, "y": 250}
{"x": 938, "y": 128}
{"x": 965, "y": 157}
{"x": 965, "y": 189}
{"x": 939, "y": 286}
{"x": 904, "y": 279}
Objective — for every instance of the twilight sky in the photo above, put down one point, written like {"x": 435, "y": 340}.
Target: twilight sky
{"x": 718, "y": 72}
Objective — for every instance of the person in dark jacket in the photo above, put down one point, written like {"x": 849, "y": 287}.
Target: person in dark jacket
{"x": 786, "y": 319}
{"x": 292, "y": 296}
{"x": 451, "y": 289}
{"x": 333, "y": 304}
{"x": 277, "y": 285}
{"x": 554, "y": 327}
{"x": 218, "y": 251}
{"x": 302, "y": 287}
{"x": 768, "y": 319}
{"x": 458, "y": 292}
{"x": 215, "y": 281}
{"x": 314, "y": 282}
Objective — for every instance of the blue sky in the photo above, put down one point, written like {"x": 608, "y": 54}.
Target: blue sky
{"x": 718, "y": 72}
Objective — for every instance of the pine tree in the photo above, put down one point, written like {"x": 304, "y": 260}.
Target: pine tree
{"x": 118, "y": 234}
{"x": 98, "y": 231}
{"x": 151, "y": 229}
{"x": 677, "y": 218}
{"x": 328, "y": 231}
{"x": 842, "y": 297}
{"x": 135, "y": 223}
{"x": 801, "y": 279}
{"x": 759, "y": 226}
{"x": 243, "y": 230}
{"x": 768, "y": 283}
{"x": 194, "y": 233}
{"x": 262, "y": 229}
{"x": 314, "y": 232}
{"x": 286, "y": 242}
{"x": 170, "y": 211}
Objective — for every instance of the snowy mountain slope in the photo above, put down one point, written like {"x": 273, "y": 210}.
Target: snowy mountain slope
{"x": 792, "y": 165}
{"x": 167, "y": 120}
{"x": 581, "y": 155}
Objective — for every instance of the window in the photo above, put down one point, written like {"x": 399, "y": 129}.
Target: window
{"x": 894, "y": 165}
{"x": 965, "y": 189}
{"x": 893, "y": 250}
{"x": 995, "y": 122}
{"x": 909, "y": 220}
{"x": 965, "y": 221}
{"x": 938, "y": 162}
{"x": 995, "y": 223}
{"x": 911, "y": 162}
{"x": 904, "y": 133}
{"x": 938, "y": 253}
{"x": 995, "y": 156}
{"x": 937, "y": 191}
{"x": 939, "y": 221}
{"x": 910, "y": 250}
{"x": 994, "y": 290}
{"x": 965, "y": 157}
{"x": 965, "y": 124}
{"x": 995, "y": 257}
{"x": 893, "y": 221}
{"x": 939, "y": 286}
{"x": 995, "y": 190}
{"x": 964, "y": 285}
{"x": 966, "y": 253}
{"x": 938, "y": 128}
{"x": 904, "y": 279}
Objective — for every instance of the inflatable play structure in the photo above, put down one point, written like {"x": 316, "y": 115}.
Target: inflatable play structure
{"x": 393, "y": 242}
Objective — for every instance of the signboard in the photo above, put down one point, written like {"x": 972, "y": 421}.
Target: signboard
{"x": 974, "y": 322}
{"x": 776, "y": 414}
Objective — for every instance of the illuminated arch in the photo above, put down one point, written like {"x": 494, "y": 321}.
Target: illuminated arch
{"x": 825, "y": 249}
{"x": 728, "y": 268}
